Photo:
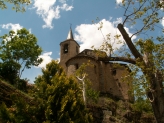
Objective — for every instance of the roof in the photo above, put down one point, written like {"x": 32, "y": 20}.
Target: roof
{"x": 87, "y": 53}
{"x": 70, "y": 37}
{"x": 70, "y": 34}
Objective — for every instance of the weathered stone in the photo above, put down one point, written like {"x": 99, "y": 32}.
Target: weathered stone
{"x": 105, "y": 77}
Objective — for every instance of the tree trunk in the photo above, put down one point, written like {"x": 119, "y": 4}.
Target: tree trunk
{"x": 156, "y": 91}
{"x": 156, "y": 96}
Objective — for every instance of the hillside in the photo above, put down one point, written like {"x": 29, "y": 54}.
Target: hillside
{"x": 6, "y": 90}
{"x": 106, "y": 110}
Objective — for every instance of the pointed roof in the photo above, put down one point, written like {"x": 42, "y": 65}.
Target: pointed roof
{"x": 70, "y": 34}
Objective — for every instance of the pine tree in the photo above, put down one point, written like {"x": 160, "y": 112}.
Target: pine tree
{"x": 61, "y": 95}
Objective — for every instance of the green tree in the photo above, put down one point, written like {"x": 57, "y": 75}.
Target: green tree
{"x": 21, "y": 111}
{"x": 18, "y": 4}
{"x": 142, "y": 105}
{"x": 146, "y": 54}
{"x": 55, "y": 100}
{"x": 18, "y": 50}
{"x": 62, "y": 97}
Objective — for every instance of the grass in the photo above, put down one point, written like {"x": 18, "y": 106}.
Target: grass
{"x": 6, "y": 90}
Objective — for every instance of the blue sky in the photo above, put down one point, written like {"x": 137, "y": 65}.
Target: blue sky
{"x": 49, "y": 21}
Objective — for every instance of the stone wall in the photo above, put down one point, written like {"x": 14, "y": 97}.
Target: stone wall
{"x": 111, "y": 82}
{"x": 73, "y": 50}
{"x": 92, "y": 71}
{"x": 105, "y": 77}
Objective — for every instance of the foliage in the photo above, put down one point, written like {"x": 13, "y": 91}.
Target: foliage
{"x": 19, "y": 112}
{"x": 150, "y": 49}
{"x": 51, "y": 69}
{"x": 18, "y": 50}
{"x": 62, "y": 96}
{"x": 92, "y": 95}
{"x": 142, "y": 105}
{"x": 4, "y": 114}
{"x": 8, "y": 71}
{"x": 145, "y": 54}
{"x": 58, "y": 100}
{"x": 89, "y": 95}
{"x": 18, "y": 4}
{"x": 147, "y": 12}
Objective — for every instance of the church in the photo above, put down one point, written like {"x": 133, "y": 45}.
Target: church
{"x": 105, "y": 76}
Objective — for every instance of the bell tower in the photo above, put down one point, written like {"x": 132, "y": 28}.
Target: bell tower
{"x": 68, "y": 49}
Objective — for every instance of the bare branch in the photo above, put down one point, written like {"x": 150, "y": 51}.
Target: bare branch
{"x": 147, "y": 24}
{"x": 127, "y": 16}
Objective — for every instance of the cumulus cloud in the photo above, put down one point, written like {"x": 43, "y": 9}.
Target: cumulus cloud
{"x": 49, "y": 11}
{"x": 11, "y": 26}
{"x": 88, "y": 35}
{"x": 118, "y": 1}
{"x": 46, "y": 59}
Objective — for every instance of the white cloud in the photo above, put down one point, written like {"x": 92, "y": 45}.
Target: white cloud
{"x": 11, "y": 26}
{"x": 58, "y": 59}
{"x": 30, "y": 30}
{"x": 66, "y": 7}
{"x": 48, "y": 11}
{"x": 118, "y": 1}
{"x": 163, "y": 21}
{"x": 46, "y": 59}
{"x": 89, "y": 35}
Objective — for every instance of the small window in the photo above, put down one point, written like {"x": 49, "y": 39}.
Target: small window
{"x": 66, "y": 48}
{"x": 76, "y": 66}
{"x": 114, "y": 72}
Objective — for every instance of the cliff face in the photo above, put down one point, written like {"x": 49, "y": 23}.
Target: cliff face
{"x": 110, "y": 111}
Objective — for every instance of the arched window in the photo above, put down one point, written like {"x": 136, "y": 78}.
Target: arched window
{"x": 65, "y": 48}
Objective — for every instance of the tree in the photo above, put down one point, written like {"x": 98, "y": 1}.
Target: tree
{"x": 18, "y": 4}
{"x": 62, "y": 97}
{"x": 57, "y": 99}
{"x": 85, "y": 84}
{"x": 18, "y": 50}
{"x": 146, "y": 54}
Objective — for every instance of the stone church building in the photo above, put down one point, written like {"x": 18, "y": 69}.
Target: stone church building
{"x": 104, "y": 76}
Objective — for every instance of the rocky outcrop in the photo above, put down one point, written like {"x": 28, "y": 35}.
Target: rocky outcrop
{"x": 107, "y": 110}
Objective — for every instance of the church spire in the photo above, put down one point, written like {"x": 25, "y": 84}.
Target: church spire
{"x": 70, "y": 34}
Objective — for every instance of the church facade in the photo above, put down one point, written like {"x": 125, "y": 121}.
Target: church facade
{"x": 105, "y": 77}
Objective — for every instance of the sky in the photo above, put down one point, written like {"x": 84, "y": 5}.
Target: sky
{"x": 50, "y": 20}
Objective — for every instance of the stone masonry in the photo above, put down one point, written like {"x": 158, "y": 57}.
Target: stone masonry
{"x": 105, "y": 77}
